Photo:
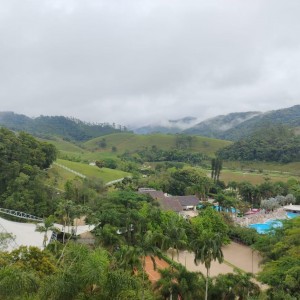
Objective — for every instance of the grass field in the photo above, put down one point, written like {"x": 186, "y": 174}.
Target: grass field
{"x": 63, "y": 145}
{"x": 265, "y": 167}
{"x": 254, "y": 178}
{"x": 254, "y": 172}
{"x": 62, "y": 176}
{"x": 92, "y": 171}
{"x": 130, "y": 142}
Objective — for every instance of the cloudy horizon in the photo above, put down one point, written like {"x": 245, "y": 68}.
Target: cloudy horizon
{"x": 143, "y": 62}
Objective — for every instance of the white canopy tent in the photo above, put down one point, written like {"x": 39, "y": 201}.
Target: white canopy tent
{"x": 293, "y": 208}
{"x": 26, "y": 235}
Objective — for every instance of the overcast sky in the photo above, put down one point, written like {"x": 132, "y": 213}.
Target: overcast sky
{"x": 140, "y": 61}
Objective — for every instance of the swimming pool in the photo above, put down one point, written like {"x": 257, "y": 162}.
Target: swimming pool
{"x": 292, "y": 215}
{"x": 267, "y": 226}
{"x": 232, "y": 210}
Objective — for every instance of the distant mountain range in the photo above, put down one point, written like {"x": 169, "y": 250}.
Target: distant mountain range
{"x": 233, "y": 126}
{"x": 67, "y": 128}
{"x": 170, "y": 126}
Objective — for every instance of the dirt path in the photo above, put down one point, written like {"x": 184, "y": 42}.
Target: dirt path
{"x": 154, "y": 274}
{"x": 242, "y": 257}
{"x": 235, "y": 254}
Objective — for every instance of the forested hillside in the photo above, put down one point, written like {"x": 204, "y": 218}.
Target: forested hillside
{"x": 217, "y": 126}
{"x": 235, "y": 126}
{"x": 22, "y": 159}
{"x": 273, "y": 143}
{"x": 288, "y": 116}
{"x": 48, "y": 126}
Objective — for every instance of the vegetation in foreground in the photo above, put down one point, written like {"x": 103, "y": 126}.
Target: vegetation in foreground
{"x": 132, "y": 226}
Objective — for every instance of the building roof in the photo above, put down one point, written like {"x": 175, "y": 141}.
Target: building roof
{"x": 153, "y": 193}
{"x": 292, "y": 207}
{"x": 189, "y": 200}
{"x": 169, "y": 203}
{"x": 174, "y": 203}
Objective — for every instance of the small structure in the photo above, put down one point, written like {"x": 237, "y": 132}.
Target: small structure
{"x": 189, "y": 202}
{"x": 292, "y": 208}
{"x": 177, "y": 204}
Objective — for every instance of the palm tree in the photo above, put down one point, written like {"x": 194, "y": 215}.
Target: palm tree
{"x": 64, "y": 211}
{"x": 48, "y": 225}
{"x": 173, "y": 237}
{"x": 180, "y": 283}
{"x": 168, "y": 285}
{"x": 234, "y": 286}
{"x": 129, "y": 257}
{"x": 206, "y": 250}
{"x": 146, "y": 243}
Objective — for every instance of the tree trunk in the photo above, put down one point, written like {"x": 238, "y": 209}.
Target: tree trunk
{"x": 206, "y": 285}
{"x": 143, "y": 291}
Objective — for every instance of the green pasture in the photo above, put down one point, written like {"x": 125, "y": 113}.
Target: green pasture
{"x": 130, "y": 142}
{"x": 264, "y": 167}
{"x": 60, "y": 175}
{"x": 65, "y": 146}
{"x": 92, "y": 171}
{"x": 254, "y": 178}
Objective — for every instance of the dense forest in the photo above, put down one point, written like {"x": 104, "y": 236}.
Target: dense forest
{"x": 287, "y": 116}
{"x": 154, "y": 154}
{"x": 67, "y": 128}
{"x": 22, "y": 161}
{"x": 272, "y": 143}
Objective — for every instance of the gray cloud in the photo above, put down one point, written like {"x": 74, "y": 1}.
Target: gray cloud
{"x": 133, "y": 61}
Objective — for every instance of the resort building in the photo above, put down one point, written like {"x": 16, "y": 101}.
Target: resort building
{"x": 178, "y": 204}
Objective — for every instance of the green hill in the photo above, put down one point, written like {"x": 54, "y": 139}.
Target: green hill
{"x": 273, "y": 143}
{"x": 287, "y": 116}
{"x": 65, "y": 127}
{"x": 131, "y": 142}
{"x": 235, "y": 126}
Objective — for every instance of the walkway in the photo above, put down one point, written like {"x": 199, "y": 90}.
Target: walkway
{"x": 235, "y": 255}
{"x": 70, "y": 170}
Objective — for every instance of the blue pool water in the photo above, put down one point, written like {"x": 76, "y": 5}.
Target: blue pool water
{"x": 232, "y": 210}
{"x": 267, "y": 226}
{"x": 292, "y": 215}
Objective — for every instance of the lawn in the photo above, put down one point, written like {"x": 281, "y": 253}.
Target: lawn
{"x": 92, "y": 171}
{"x": 61, "y": 175}
{"x": 254, "y": 178}
{"x": 265, "y": 167}
{"x": 130, "y": 142}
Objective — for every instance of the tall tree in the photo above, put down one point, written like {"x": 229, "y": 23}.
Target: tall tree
{"x": 206, "y": 250}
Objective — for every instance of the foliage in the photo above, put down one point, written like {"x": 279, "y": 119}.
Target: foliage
{"x": 216, "y": 167}
{"x": 245, "y": 235}
{"x": 183, "y": 141}
{"x": 287, "y": 116}
{"x": 281, "y": 252}
{"x": 5, "y": 240}
{"x": 274, "y": 143}
{"x": 21, "y": 178}
{"x": 188, "y": 180}
{"x": 67, "y": 128}
{"x": 154, "y": 154}
{"x": 234, "y": 286}
{"x": 29, "y": 259}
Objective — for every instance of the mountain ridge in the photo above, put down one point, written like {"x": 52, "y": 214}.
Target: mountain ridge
{"x": 65, "y": 127}
{"x": 233, "y": 126}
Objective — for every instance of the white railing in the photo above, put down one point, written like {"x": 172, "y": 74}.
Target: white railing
{"x": 20, "y": 214}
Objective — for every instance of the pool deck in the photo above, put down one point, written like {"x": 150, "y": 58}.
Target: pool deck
{"x": 261, "y": 217}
